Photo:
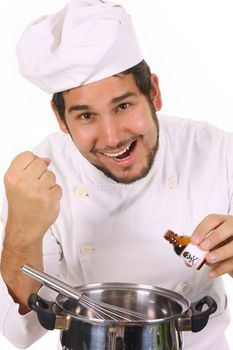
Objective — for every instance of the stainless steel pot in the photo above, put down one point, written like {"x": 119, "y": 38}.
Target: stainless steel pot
{"x": 171, "y": 314}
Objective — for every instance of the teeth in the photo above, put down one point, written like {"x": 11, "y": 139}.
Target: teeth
{"x": 114, "y": 155}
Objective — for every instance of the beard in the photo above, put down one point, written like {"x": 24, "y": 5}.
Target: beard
{"x": 150, "y": 157}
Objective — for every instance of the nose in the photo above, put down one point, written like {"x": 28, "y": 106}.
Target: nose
{"x": 110, "y": 131}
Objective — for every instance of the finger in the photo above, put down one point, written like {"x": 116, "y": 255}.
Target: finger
{"x": 36, "y": 168}
{"x": 48, "y": 179}
{"x": 207, "y": 225}
{"x": 43, "y": 160}
{"x": 22, "y": 160}
{"x": 56, "y": 191}
{"x": 219, "y": 235}
{"x": 222, "y": 268}
{"x": 46, "y": 160}
{"x": 222, "y": 253}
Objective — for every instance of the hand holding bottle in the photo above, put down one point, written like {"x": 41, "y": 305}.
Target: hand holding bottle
{"x": 215, "y": 233}
{"x": 192, "y": 255}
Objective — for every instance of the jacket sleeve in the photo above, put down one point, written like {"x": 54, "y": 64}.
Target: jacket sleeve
{"x": 24, "y": 330}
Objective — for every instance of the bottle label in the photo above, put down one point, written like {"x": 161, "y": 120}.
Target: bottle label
{"x": 193, "y": 256}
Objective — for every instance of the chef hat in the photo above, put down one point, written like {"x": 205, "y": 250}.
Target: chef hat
{"x": 88, "y": 40}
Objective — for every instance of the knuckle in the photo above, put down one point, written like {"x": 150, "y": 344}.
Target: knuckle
{"x": 27, "y": 154}
{"x": 22, "y": 160}
{"x": 210, "y": 216}
{"x": 8, "y": 178}
{"x": 24, "y": 157}
{"x": 39, "y": 164}
{"x": 48, "y": 177}
{"x": 215, "y": 218}
{"x": 11, "y": 179}
{"x": 58, "y": 190}
{"x": 51, "y": 175}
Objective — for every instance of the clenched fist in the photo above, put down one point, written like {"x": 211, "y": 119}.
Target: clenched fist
{"x": 33, "y": 199}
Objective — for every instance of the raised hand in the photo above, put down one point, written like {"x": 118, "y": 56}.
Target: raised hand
{"x": 33, "y": 205}
{"x": 33, "y": 198}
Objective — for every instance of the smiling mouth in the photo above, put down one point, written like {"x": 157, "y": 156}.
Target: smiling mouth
{"x": 123, "y": 154}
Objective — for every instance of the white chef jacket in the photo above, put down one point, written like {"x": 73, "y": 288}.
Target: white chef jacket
{"x": 110, "y": 232}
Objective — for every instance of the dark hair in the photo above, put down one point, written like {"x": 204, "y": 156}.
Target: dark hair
{"x": 142, "y": 76}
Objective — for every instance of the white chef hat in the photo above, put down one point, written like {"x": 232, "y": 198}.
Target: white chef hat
{"x": 88, "y": 40}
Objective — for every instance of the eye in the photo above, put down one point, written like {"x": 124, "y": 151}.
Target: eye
{"x": 85, "y": 116}
{"x": 123, "y": 106}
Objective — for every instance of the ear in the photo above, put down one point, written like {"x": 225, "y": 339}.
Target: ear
{"x": 155, "y": 93}
{"x": 61, "y": 123}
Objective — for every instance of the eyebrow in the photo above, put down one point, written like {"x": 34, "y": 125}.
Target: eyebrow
{"x": 78, "y": 108}
{"x": 122, "y": 97}
{"x": 113, "y": 101}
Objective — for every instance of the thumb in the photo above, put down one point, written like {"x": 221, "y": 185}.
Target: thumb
{"x": 46, "y": 160}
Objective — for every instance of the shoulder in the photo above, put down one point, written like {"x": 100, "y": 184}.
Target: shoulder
{"x": 186, "y": 124}
{"x": 193, "y": 131}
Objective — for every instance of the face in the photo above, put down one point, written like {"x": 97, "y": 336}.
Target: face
{"x": 113, "y": 125}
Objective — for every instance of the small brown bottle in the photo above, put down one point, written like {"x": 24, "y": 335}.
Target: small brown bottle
{"x": 190, "y": 253}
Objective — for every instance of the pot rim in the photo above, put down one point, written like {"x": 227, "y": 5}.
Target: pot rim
{"x": 169, "y": 294}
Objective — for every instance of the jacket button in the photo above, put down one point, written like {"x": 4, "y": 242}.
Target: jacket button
{"x": 172, "y": 182}
{"x": 80, "y": 192}
{"x": 184, "y": 288}
{"x": 86, "y": 250}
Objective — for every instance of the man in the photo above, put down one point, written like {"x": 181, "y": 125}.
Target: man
{"x": 91, "y": 204}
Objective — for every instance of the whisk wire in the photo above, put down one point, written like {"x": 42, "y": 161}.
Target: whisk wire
{"x": 111, "y": 312}
{"x": 100, "y": 310}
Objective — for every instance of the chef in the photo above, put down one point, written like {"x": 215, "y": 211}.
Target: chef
{"x": 92, "y": 202}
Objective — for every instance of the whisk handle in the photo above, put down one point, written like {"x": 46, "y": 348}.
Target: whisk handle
{"x": 51, "y": 282}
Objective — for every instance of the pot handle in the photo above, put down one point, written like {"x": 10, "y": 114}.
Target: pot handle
{"x": 200, "y": 318}
{"x": 44, "y": 310}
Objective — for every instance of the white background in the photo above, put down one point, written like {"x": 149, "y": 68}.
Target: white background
{"x": 188, "y": 44}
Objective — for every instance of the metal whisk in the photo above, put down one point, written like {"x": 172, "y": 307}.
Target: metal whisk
{"x": 99, "y": 310}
